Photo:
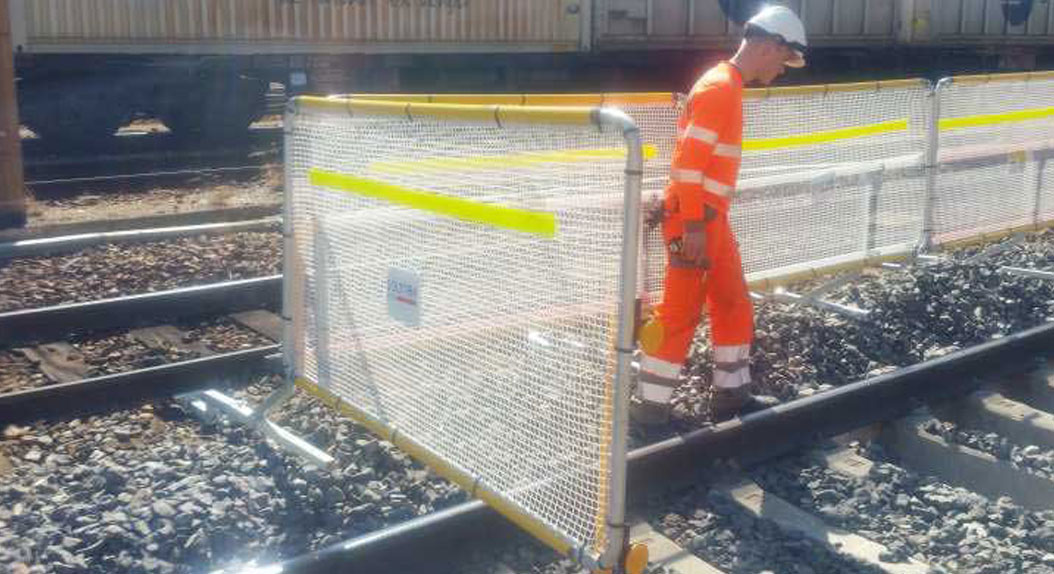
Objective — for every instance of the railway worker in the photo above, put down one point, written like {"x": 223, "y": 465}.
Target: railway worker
{"x": 703, "y": 262}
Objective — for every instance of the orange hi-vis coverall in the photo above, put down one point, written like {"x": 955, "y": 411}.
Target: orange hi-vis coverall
{"x": 702, "y": 180}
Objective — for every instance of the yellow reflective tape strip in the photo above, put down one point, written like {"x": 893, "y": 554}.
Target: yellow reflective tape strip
{"x": 524, "y": 159}
{"x": 535, "y": 222}
{"x": 823, "y": 137}
{"x": 991, "y": 119}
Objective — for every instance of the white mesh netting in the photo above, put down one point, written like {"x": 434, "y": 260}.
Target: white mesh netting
{"x": 811, "y": 186}
{"x": 991, "y": 117}
{"x": 496, "y": 352}
{"x": 503, "y": 366}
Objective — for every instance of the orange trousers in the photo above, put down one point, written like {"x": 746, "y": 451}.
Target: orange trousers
{"x": 722, "y": 287}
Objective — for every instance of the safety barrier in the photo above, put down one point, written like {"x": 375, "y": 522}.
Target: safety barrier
{"x": 837, "y": 175}
{"x": 461, "y": 279}
{"x": 460, "y": 268}
{"x": 996, "y": 137}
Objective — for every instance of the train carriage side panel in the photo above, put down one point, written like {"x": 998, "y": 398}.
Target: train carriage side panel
{"x": 302, "y": 26}
{"x": 714, "y": 24}
{"x": 987, "y": 22}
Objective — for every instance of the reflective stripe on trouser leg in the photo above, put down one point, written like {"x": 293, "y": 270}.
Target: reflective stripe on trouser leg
{"x": 657, "y": 380}
{"x": 731, "y": 366}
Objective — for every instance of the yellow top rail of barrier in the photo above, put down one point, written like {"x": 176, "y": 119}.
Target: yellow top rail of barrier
{"x": 629, "y": 98}
{"x": 1013, "y": 77}
{"x": 787, "y": 91}
{"x": 597, "y": 99}
{"x": 471, "y": 112}
{"x": 499, "y": 114}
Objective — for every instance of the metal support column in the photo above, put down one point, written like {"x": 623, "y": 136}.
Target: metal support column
{"x": 12, "y": 183}
{"x": 931, "y": 166}
{"x": 1037, "y": 207}
{"x": 617, "y": 548}
{"x": 289, "y": 281}
{"x": 871, "y": 232}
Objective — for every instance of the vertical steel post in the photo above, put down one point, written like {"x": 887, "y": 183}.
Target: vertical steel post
{"x": 1037, "y": 207}
{"x": 320, "y": 243}
{"x": 873, "y": 192}
{"x": 289, "y": 273}
{"x": 289, "y": 270}
{"x": 931, "y": 165}
{"x": 12, "y": 182}
{"x": 624, "y": 345}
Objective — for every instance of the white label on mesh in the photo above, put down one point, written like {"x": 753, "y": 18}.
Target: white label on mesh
{"x": 404, "y": 290}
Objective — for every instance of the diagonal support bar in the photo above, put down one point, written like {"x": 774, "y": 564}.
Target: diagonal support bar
{"x": 211, "y": 403}
{"x": 845, "y": 310}
{"x": 1033, "y": 273}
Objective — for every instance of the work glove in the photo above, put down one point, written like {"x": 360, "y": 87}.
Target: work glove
{"x": 692, "y": 249}
{"x": 693, "y": 244}
{"x": 654, "y": 212}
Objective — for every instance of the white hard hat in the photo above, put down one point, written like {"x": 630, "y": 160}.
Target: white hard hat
{"x": 783, "y": 23}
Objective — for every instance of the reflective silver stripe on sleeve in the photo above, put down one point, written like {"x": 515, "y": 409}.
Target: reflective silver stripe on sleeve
{"x": 728, "y": 150}
{"x": 687, "y": 176}
{"x": 717, "y": 188}
{"x": 704, "y": 135}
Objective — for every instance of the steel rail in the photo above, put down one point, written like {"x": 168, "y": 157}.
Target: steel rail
{"x": 218, "y": 298}
{"x": 72, "y": 243}
{"x": 144, "y": 223}
{"x": 419, "y": 545}
{"x": 152, "y": 174}
{"x": 123, "y": 390}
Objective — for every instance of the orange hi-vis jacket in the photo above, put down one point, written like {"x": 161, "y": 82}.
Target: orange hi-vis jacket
{"x": 703, "y": 173}
{"x": 709, "y": 144}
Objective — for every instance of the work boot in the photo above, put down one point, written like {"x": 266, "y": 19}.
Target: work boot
{"x": 728, "y": 402}
{"x": 647, "y": 413}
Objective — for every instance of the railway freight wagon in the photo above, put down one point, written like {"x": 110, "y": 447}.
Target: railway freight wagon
{"x": 203, "y": 66}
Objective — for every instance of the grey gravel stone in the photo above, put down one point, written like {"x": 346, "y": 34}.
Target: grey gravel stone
{"x": 163, "y": 509}
{"x": 182, "y": 497}
{"x": 916, "y": 314}
{"x": 914, "y": 516}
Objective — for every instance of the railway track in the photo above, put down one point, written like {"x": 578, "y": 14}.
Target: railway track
{"x": 753, "y": 515}
{"x": 158, "y": 158}
{"x": 147, "y": 139}
{"x": 379, "y": 487}
{"x": 873, "y": 408}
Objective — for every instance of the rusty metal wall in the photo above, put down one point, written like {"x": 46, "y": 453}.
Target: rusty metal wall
{"x": 240, "y": 26}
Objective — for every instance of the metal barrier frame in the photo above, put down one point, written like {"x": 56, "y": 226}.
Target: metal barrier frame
{"x": 616, "y": 533}
{"x": 550, "y": 108}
